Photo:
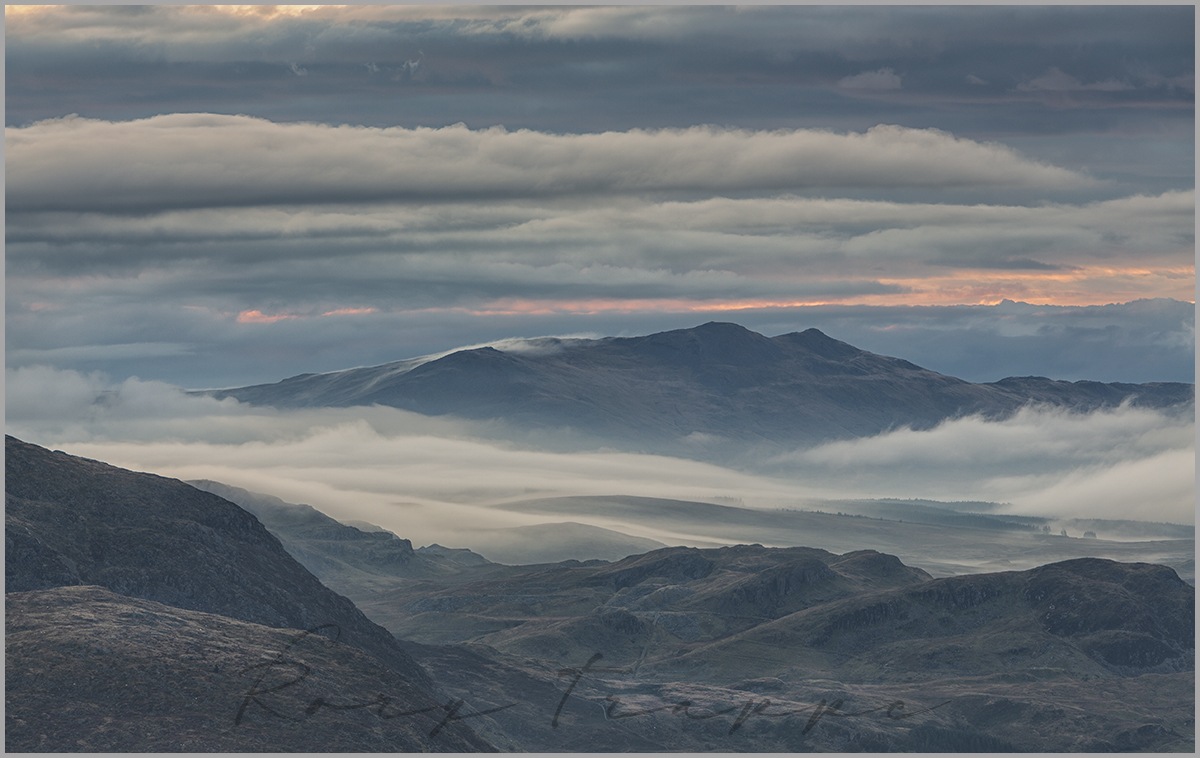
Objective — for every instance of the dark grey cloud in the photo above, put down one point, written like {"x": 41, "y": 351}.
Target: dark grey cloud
{"x": 525, "y": 50}
{"x": 579, "y": 70}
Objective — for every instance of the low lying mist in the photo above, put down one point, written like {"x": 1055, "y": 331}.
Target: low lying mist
{"x": 428, "y": 479}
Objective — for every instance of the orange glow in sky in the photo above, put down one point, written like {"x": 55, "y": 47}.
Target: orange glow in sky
{"x": 258, "y": 317}
{"x": 1075, "y": 287}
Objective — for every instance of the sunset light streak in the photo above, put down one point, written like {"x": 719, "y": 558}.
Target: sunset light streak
{"x": 258, "y": 317}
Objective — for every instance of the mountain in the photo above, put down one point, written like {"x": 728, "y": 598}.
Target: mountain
{"x": 715, "y": 382}
{"x": 852, "y": 608}
{"x": 72, "y": 522}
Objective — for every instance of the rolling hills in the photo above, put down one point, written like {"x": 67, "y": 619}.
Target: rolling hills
{"x": 688, "y": 645}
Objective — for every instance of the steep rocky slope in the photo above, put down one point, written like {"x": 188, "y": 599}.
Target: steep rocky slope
{"x": 88, "y": 670}
{"x": 73, "y": 522}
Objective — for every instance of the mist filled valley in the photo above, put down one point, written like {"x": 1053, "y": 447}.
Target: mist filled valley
{"x": 778, "y": 378}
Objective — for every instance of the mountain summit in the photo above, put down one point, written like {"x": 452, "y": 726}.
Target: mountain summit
{"x": 717, "y": 381}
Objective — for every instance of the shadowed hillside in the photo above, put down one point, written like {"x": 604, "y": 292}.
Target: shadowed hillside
{"x": 73, "y": 522}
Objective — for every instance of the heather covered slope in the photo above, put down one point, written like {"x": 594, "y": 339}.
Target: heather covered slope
{"x": 718, "y": 379}
{"x": 73, "y": 522}
{"x": 88, "y": 670}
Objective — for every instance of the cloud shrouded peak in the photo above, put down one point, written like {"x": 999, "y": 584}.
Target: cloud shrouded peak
{"x": 207, "y": 160}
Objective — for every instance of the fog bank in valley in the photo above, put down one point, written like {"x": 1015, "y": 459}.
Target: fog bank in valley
{"x": 425, "y": 478}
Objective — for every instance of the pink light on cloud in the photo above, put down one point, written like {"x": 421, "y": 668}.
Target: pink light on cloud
{"x": 258, "y": 317}
{"x": 510, "y": 307}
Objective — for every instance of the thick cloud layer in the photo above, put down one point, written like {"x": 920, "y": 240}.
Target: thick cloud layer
{"x": 206, "y": 160}
{"x": 247, "y": 193}
{"x": 291, "y": 288}
{"x": 767, "y": 66}
{"x": 1121, "y": 463}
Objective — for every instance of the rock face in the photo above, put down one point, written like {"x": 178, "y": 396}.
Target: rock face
{"x": 717, "y": 380}
{"x": 73, "y": 522}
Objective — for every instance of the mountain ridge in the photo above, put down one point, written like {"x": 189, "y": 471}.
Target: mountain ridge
{"x": 678, "y": 390}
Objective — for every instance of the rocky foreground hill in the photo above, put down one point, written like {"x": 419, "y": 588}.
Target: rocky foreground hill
{"x": 146, "y": 615}
{"x": 681, "y": 390}
{"x": 110, "y": 574}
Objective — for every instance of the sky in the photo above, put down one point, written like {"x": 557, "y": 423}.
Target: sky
{"x": 201, "y": 197}
{"x": 219, "y": 196}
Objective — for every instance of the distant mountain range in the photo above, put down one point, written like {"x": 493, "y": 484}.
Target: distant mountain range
{"x": 689, "y": 387}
